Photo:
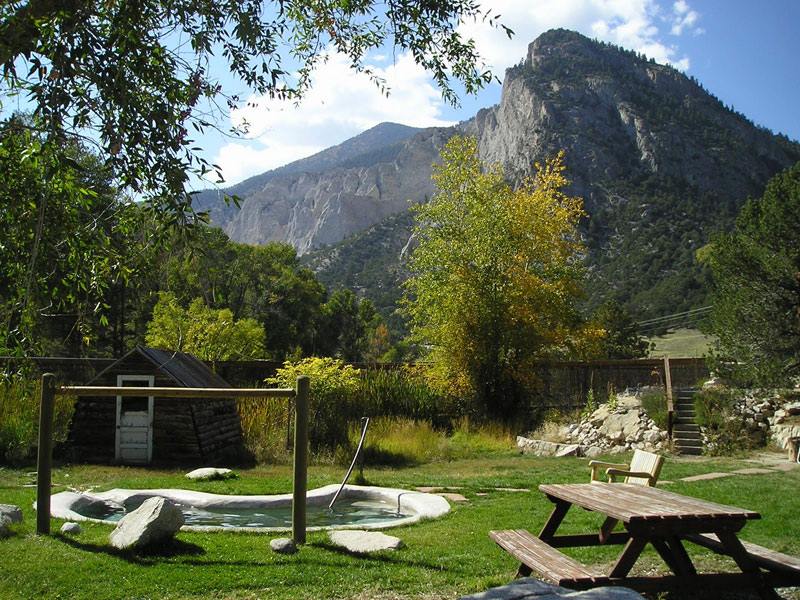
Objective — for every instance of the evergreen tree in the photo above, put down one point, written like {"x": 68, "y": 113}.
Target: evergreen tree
{"x": 756, "y": 300}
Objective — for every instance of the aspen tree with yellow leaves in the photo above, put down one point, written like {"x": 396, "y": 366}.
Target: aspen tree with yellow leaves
{"x": 495, "y": 277}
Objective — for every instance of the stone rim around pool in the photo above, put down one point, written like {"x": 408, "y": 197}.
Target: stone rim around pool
{"x": 421, "y": 505}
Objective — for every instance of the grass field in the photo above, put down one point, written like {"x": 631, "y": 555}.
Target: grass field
{"x": 680, "y": 343}
{"x": 442, "y": 559}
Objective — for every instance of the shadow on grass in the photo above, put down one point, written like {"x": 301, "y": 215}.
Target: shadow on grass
{"x": 141, "y": 556}
{"x": 378, "y": 457}
{"x": 389, "y": 558}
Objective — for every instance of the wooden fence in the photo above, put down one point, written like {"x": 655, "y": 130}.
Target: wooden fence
{"x": 562, "y": 384}
{"x": 566, "y": 384}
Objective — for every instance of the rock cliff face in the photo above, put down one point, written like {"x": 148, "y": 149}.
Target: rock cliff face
{"x": 620, "y": 116}
{"x": 312, "y": 209}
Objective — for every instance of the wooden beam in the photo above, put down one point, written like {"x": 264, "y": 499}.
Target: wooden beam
{"x": 44, "y": 463}
{"x": 170, "y": 392}
{"x": 668, "y": 389}
{"x": 300, "y": 460}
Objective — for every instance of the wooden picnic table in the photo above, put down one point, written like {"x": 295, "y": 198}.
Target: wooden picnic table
{"x": 649, "y": 516}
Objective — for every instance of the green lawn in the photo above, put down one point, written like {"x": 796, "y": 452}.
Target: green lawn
{"x": 680, "y": 343}
{"x": 442, "y": 559}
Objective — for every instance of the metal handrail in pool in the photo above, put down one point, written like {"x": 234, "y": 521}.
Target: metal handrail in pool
{"x": 352, "y": 464}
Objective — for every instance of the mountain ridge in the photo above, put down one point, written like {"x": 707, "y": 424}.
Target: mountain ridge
{"x": 383, "y": 138}
{"x": 660, "y": 162}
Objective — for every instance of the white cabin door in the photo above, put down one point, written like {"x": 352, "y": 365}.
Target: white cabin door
{"x": 134, "y": 439}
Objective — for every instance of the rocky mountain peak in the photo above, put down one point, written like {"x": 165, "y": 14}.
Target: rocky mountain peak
{"x": 660, "y": 163}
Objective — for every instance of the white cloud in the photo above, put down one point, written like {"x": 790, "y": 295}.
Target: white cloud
{"x": 633, "y": 24}
{"x": 683, "y": 17}
{"x": 340, "y": 104}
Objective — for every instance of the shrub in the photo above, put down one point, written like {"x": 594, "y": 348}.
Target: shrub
{"x": 332, "y": 402}
{"x": 655, "y": 405}
{"x": 19, "y": 419}
{"x": 715, "y": 410}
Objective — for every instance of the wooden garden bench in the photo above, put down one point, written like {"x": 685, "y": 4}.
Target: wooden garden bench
{"x": 540, "y": 557}
{"x": 770, "y": 560}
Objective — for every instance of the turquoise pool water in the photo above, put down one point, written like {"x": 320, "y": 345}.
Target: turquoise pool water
{"x": 348, "y": 511}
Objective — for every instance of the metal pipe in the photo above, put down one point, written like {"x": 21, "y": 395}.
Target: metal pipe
{"x": 365, "y": 421}
{"x": 398, "y": 501}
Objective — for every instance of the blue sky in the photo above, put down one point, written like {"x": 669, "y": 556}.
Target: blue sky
{"x": 746, "y": 53}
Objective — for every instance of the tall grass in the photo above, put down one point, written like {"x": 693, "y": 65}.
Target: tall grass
{"x": 401, "y": 441}
{"x": 405, "y": 393}
{"x": 19, "y": 419}
{"x": 267, "y": 428}
{"x": 410, "y": 417}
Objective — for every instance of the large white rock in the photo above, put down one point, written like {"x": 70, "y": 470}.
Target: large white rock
{"x": 363, "y": 542}
{"x": 626, "y": 423}
{"x": 157, "y": 519}
{"x": 12, "y": 512}
{"x": 210, "y": 474}
{"x": 283, "y": 545}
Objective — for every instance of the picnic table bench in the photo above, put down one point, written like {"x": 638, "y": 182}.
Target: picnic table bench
{"x": 649, "y": 516}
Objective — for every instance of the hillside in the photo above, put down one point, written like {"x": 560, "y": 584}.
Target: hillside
{"x": 381, "y": 143}
{"x": 661, "y": 165}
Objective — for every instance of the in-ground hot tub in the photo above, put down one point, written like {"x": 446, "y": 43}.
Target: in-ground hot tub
{"x": 358, "y": 507}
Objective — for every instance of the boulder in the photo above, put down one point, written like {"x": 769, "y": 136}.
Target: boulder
{"x": 70, "y": 528}
{"x": 210, "y": 474}
{"x": 364, "y": 542}
{"x": 156, "y": 520}
{"x": 592, "y": 452}
{"x": 627, "y": 423}
{"x": 12, "y": 512}
{"x": 529, "y": 588}
{"x": 652, "y": 437}
{"x": 599, "y": 416}
{"x": 568, "y": 450}
{"x": 5, "y": 527}
{"x": 283, "y": 545}
{"x": 537, "y": 447}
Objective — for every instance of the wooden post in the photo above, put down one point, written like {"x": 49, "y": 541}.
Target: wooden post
{"x": 668, "y": 390}
{"x": 44, "y": 463}
{"x": 300, "y": 461}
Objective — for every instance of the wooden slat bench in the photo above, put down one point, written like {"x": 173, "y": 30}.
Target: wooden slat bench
{"x": 763, "y": 557}
{"x": 551, "y": 564}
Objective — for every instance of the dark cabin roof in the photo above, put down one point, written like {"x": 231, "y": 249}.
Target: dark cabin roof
{"x": 184, "y": 369}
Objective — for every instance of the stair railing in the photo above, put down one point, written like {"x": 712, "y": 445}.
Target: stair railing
{"x": 670, "y": 403}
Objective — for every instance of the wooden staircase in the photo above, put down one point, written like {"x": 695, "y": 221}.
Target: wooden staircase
{"x": 685, "y": 431}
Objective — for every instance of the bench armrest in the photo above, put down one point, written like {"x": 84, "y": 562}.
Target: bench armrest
{"x": 596, "y": 465}
{"x": 613, "y": 473}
